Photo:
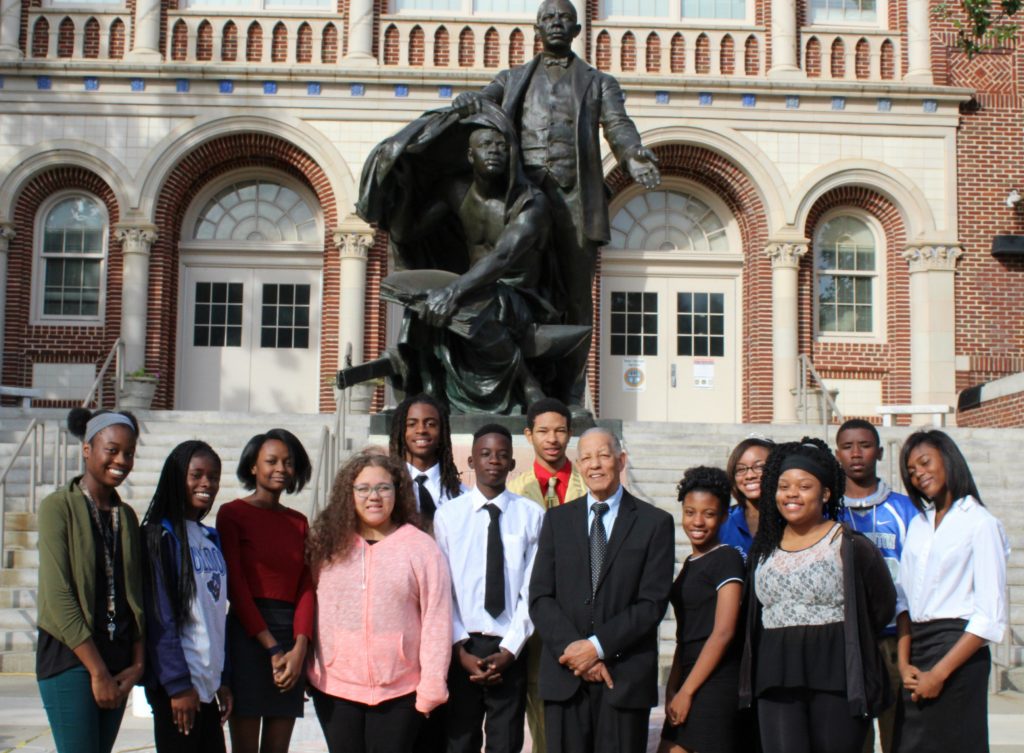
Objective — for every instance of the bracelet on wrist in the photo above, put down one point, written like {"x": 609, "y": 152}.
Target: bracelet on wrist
{"x": 275, "y": 650}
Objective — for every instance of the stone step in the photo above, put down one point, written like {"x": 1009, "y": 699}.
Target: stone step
{"x": 21, "y": 539}
{"x": 18, "y": 598}
{"x": 21, "y": 577}
{"x": 21, "y": 521}
{"x": 21, "y": 662}
{"x": 13, "y": 619}
{"x": 24, "y": 639}
{"x": 21, "y": 558}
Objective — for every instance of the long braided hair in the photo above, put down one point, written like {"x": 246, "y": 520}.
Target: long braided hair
{"x": 772, "y": 525}
{"x": 449, "y": 473}
{"x": 169, "y": 503}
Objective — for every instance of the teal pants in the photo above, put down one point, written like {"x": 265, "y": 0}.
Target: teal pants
{"x": 77, "y": 723}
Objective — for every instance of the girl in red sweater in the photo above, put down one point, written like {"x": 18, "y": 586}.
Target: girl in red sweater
{"x": 272, "y": 602}
{"x": 384, "y": 611}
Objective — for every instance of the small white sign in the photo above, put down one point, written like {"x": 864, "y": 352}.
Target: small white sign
{"x": 634, "y": 375}
{"x": 703, "y": 374}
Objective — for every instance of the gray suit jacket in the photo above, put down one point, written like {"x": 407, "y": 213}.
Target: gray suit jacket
{"x": 599, "y": 102}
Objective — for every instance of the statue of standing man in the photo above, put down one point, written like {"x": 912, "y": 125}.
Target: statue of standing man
{"x": 558, "y": 103}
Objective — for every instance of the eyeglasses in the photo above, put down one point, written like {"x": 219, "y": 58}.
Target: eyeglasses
{"x": 363, "y": 491}
{"x": 743, "y": 470}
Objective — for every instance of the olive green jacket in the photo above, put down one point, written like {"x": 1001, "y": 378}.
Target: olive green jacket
{"x": 67, "y": 567}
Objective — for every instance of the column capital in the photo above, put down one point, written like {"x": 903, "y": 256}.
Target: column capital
{"x": 786, "y": 255}
{"x": 353, "y": 238}
{"x": 135, "y": 238}
{"x": 6, "y": 235}
{"x": 927, "y": 258}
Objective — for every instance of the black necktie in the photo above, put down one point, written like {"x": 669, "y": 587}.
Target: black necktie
{"x": 427, "y": 506}
{"x": 494, "y": 591}
{"x": 598, "y": 544}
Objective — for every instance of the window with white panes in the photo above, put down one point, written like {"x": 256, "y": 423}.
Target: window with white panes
{"x": 843, "y": 11}
{"x": 256, "y": 211}
{"x": 846, "y": 269}
{"x": 71, "y": 249}
{"x": 676, "y": 9}
{"x": 667, "y": 221}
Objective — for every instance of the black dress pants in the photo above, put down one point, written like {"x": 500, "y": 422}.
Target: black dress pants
{"x": 499, "y": 709}
{"x": 351, "y": 727}
{"x": 798, "y": 720}
{"x": 206, "y": 735}
{"x": 587, "y": 723}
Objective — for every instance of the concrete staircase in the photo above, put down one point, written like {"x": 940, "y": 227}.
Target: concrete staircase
{"x": 161, "y": 432}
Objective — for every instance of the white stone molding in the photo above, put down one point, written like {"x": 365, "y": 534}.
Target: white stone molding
{"x": 360, "y": 34}
{"x": 10, "y": 29}
{"x": 6, "y": 235}
{"x": 146, "y": 48}
{"x": 932, "y": 258}
{"x": 919, "y": 51}
{"x": 786, "y": 255}
{"x": 784, "y": 52}
{"x": 353, "y": 238}
{"x": 136, "y": 240}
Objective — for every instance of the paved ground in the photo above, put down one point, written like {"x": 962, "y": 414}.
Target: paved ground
{"x": 23, "y": 727}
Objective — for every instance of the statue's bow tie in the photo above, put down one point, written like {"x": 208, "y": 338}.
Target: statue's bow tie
{"x": 551, "y": 60}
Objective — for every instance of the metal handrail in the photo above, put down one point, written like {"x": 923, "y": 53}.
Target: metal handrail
{"x": 807, "y": 368}
{"x": 116, "y": 355}
{"x": 326, "y": 467}
{"x": 36, "y": 432}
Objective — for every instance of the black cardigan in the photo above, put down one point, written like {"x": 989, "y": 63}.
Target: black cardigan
{"x": 869, "y": 603}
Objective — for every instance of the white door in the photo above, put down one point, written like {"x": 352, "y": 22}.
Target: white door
{"x": 669, "y": 348}
{"x": 250, "y": 340}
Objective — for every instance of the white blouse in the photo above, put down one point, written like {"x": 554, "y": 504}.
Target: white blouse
{"x": 956, "y": 571}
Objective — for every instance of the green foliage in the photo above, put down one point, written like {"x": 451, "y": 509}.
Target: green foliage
{"x": 981, "y": 24}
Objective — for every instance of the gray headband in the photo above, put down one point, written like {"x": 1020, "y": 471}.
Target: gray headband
{"x": 101, "y": 421}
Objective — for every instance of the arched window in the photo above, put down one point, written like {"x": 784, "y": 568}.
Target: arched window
{"x": 71, "y": 245}
{"x": 667, "y": 221}
{"x": 846, "y": 267}
{"x": 257, "y": 211}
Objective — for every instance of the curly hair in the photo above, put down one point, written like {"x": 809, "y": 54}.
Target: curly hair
{"x": 334, "y": 530}
{"x": 449, "y": 472}
{"x": 703, "y": 478}
{"x": 772, "y": 525}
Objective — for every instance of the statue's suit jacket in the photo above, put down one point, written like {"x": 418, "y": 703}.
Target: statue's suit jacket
{"x": 626, "y": 608}
{"x": 599, "y": 102}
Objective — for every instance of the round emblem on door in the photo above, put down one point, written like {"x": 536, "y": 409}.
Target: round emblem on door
{"x": 633, "y": 377}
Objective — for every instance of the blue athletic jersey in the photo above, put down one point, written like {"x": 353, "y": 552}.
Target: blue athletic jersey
{"x": 735, "y": 532}
{"x": 886, "y": 525}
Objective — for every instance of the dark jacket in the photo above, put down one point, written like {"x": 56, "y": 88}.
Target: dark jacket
{"x": 599, "y": 103}
{"x": 626, "y": 609}
{"x": 869, "y": 603}
{"x": 165, "y": 659}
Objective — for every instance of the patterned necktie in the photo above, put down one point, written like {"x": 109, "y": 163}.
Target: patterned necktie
{"x": 427, "y": 506}
{"x": 494, "y": 585}
{"x": 551, "y": 496}
{"x": 598, "y": 544}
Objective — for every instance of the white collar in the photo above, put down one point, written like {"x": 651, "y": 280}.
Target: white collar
{"x": 479, "y": 500}
{"x": 433, "y": 473}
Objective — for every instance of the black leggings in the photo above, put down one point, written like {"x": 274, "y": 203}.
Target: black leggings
{"x": 351, "y": 727}
{"x": 796, "y": 720}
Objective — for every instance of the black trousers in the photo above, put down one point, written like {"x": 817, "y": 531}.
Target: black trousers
{"x": 499, "y": 709}
{"x": 798, "y": 720}
{"x": 351, "y": 727}
{"x": 206, "y": 736}
{"x": 587, "y": 723}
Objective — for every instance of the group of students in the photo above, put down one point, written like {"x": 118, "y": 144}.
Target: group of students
{"x": 423, "y": 616}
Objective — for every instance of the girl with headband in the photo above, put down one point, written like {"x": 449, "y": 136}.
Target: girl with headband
{"x": 90, "y": 650}
{"x": 819, "y": 595}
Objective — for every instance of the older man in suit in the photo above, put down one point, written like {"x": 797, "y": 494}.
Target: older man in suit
{"x": 599, "y": 588}
{"x": 559, "y": 104}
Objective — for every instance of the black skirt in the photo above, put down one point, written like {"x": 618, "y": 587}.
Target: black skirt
{"x": 252, "y": 676}
{"x": 712, "y": 726}
{"x": 958, "y": 719}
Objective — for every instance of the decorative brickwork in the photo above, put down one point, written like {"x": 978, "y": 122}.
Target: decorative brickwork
{"x": 66, "y": 38}
{"x": 204, "y": 42}
{"x": 374, "y": 309}
{"x": 888, "y": 361}
{"x": 229, "y": 43}
{"x": 117, "y": 39}
{"x": 25, "y": 343}
{"x": 677, "y": 53}
{"x": 442, "y": 47}
{"x": 838, "y": 59}
{"x": 516, "y": 48}
{"x": 467, "y": 48}
{"x": 91, "y": 43}
{"x": 179, "y": 41}
{"x": 329, "y": 45}
{"x": 279, "y": 44}
{"x": 812, "y": 58}
{"x": 201, "y": 166}
{"x": 751, "y": 57}
{"x": 727, "y": 56}
{"x": 628, "y": 52}
{"x": 416, "y": 46}
{"x": 391, "y": 53}
{"x": 862, "y": 59}
{"x": 304, "y": 44}
{"x": 887, "y": 60}
{"x": 703, "y": 55}
{"x": 604, "y": 51}
{"x": 653, "y": 53}
{"x": 254, "y": 43}
{"x": 492, "y": 48}
{"x": 41, "y": 38}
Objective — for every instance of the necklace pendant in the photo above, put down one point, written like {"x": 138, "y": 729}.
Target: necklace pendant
{"x": 111, "y": 629}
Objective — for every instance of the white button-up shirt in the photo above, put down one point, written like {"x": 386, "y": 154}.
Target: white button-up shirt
{"x": 433, "y": 484}
{"x": 460, "y": 528}
{"x": 956, "y": 571}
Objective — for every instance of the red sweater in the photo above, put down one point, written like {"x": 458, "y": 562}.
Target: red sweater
{"x": 265, "y": 553}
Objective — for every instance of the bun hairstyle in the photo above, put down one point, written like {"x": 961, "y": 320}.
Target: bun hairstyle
{"x": 809, "y": 453}
{"x": 703, "y": 478}
{"x": 78, "y": 421}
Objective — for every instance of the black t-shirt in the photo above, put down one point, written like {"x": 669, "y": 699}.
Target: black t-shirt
{"x": 54, "y": 657}
{"x": 694, "y": 594}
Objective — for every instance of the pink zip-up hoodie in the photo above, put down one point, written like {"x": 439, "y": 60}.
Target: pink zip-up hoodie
{"x": 384, "y": 622}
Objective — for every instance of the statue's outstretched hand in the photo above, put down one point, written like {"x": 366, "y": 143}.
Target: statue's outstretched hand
{"x": 468, "y": 103}
{"x": 440, "y": 306}
{"x": 642, "y": 164}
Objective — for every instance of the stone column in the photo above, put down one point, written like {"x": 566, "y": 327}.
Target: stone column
{"x": 784, "y": 52}
{"x": 360, "y": 34}
{"x": 932, "y": 325}
{"x": 354, "y": 238}
{"x": 919, "y": 51}
{"x": 146, "y": 48}
{"x": 579, "y": 44}
{"x": 10, "y": 29}
{"x": 136, "y": 240}
{"x": 6, "y": 234}
{"x": 785, "y": 322}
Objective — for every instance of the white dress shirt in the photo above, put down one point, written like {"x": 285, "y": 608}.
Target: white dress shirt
{"x": 608, "y": 519}
{"x": 460, "y": 528}
{"x": 433, "y": 484}
{"x": 956, "y": 571}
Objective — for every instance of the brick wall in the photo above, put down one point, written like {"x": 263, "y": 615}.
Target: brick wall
{"x": 727, "y": 56}
{"x": 25, "y": 343}
{"x": 1002, "y": 412}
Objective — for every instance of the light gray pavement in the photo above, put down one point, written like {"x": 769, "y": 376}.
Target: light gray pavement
{"x": 23, "y": 727}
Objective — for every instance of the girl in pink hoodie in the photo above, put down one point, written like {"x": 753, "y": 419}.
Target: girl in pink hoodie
{"x": 382, "y": 638}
